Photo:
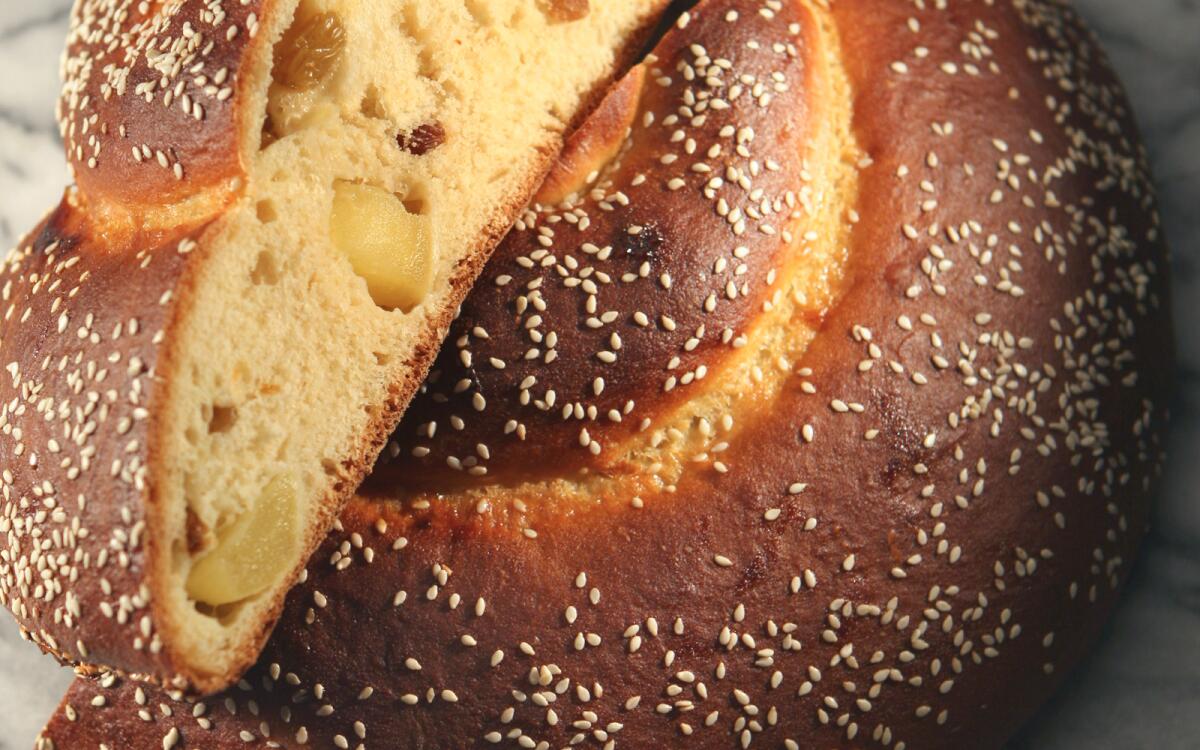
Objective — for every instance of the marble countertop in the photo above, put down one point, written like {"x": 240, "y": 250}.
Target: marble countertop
{"x": 1140, "y": 689}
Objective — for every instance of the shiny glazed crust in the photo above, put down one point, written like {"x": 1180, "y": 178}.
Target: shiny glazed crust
{"x": 902, "y": 536}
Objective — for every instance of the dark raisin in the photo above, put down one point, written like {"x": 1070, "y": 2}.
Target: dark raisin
{"x": 422, "y": 139}
{"x": 197, "y": 533}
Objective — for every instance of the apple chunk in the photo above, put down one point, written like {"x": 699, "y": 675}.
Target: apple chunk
{"x": 252, "y": 551}
{"x": 389, "y": 247}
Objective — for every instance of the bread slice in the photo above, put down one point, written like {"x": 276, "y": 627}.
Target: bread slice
{"x": 279, "y": 206}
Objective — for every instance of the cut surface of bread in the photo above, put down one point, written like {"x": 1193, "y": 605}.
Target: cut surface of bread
{"x": 284, "y": 308}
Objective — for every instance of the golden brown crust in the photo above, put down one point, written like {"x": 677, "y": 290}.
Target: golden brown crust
{"x": 591, "y": 147}
{"x": 913, "y": 543}
{"x": 153, "y": 115}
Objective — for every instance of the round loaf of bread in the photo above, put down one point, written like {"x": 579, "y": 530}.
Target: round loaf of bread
{"x": 817, "y": 402}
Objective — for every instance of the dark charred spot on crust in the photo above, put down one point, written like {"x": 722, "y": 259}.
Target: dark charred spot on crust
{"x": 892, "y": 470}
{"x": 900, "y": 430}
{"x": 645, "y": 243}
{"x": 53, "y": 233}
{"x": 753, "y": 573}
{"x": 478, "y": 384}
{"x": 422, "y": 139}
{"x": 900, "y": 434}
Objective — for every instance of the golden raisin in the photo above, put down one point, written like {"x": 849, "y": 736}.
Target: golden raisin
{"x": 309, "y": 51}
{"x": 563, "y": 11}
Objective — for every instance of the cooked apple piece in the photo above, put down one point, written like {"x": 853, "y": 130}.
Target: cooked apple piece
{"x": 389, "y": 247}
{"x": 251, "y": 552}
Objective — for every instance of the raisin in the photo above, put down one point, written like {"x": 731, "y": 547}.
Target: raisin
{"x": 423, "y": 138}
{"x": 197, "y": 533}
{"x": 562, "y": 11}
{"x": 309, "y": 51}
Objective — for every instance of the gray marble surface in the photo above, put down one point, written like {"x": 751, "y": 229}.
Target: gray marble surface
{"x": 1141, "y": 689}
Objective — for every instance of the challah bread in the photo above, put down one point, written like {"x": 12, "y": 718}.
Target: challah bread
{"x": 885, "y": 496}
{"x": 279, "y": 207}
